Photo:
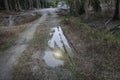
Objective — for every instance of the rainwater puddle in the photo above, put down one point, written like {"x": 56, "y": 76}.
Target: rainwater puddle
{"x": 51, "y": 60}
{"x": 58, "y": 38}
{"x": 58, "y": 48}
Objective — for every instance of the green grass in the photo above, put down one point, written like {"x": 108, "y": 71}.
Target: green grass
{"x": 117, "y": 34}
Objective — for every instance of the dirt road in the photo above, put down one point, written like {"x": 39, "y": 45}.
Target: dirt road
{"x": 10, "y": 56}
{"x": 43, "y": 52}
{"x": 52, "y": 58}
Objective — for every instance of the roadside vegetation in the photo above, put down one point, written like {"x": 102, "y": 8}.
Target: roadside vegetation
{"x": 93, "y": 31}
{"x": 15, "y": 19}
{"x": 27, "y": 19}
{"x": 98, "y": 51}
{"x": 9, "y": 35}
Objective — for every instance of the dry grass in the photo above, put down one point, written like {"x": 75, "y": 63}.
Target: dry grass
{"x": 19, "y": 19}
{"x": 23, "y": 70}
{"x": 8, "y": 36}
{"x": 27, "y": 19}
{"x": 98, "y": 55}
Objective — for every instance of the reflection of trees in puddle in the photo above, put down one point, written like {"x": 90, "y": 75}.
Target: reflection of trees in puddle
{"x": 58, "y": 48}
{"x": 57, "y": 37}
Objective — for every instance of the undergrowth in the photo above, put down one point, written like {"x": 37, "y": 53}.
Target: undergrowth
{"x": 101, "y": 48}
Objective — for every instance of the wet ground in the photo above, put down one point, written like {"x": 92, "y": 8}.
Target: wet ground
{"x": 49, "y": 55}
{"x": 52, "y": 59}
{"x": 43, "y": 52}
{"x": 10, "y": 56}
{"x": 58, "y": 47}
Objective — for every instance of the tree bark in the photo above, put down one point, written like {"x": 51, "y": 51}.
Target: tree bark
{"x": 6, "y": 5}
{"x": 86, "y": 7}
{"x": 116, "y": 12}
{"x": 77, "y": 4}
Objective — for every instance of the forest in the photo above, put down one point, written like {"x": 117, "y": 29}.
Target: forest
{"x": 59, "y": 39}
{"x": 77, "y": 7}
{"x": 109, "y": 8}
{"x": 18, "y": 5}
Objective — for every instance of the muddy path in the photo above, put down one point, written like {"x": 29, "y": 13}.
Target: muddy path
{"x": 49, "y": 59}
{"x": 49, "y": 55}
{"x": 10, "y": 56}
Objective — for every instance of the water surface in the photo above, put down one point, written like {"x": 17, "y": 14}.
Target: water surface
{"x": 58, "y": 47}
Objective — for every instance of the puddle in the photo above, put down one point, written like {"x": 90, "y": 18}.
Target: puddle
{"x": 58, "y": 38}
{"x": 51, "y": 60}
{"x": 58, "y": 47}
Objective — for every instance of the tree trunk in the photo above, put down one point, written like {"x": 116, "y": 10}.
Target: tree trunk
{"x": 77, "y": 4}
{"x": 19, "y": 6}
{"x": 30, "y": 3}
{"x": 37, "y": 4}
{"x": 6, "y": 5}
{"x": 116, "y": 12}
{"x": 86, "y": 7}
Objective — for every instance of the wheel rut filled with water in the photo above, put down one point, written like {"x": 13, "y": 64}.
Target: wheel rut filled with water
{"x": 58, "y": 48}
